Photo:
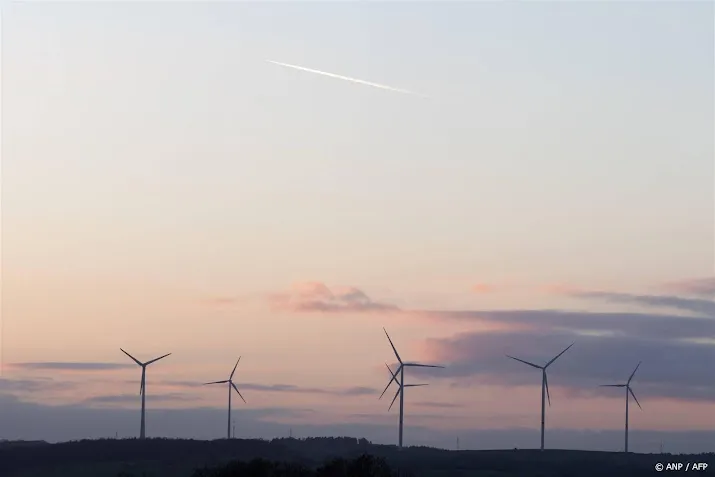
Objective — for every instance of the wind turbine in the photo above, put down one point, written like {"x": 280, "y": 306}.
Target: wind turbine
{"x": 628, "y": 390}
{"x": 230, "y": 385}
{"x": 142, "y": 387}
{"x": 401, "y": 382}
{"x": 544, "y": 387}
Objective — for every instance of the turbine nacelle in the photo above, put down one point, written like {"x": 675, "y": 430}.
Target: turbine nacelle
{"x": 230, "y": 381}
{"x": 547, "y": 364}
{"x": 400, "y": 368}
{"x": 544, "y": 378}
{"x": 143, "y": 366}
{"x": 627, "y": 385}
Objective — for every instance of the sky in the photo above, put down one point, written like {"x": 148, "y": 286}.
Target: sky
{"x": 165, "y": 188}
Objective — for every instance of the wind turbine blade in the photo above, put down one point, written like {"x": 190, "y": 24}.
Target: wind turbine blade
{"x": 133, "y": 358}
{"x": 612, "y": 385}
{"x": 558, "y": 355}
{"x": 634, "y": 397}
{"x": 525, "y": 362}
{"x": 416, "y": 365}
{"x": 394, "y": 378}
{"x": 216, "y": 382}
{"x": 394, "y": 375}
{"x": 386, "y": 387}
{"x": 141, "y": 387}
{"x": 157, "y": 359}
{"x": 546, "y": 381}
{"x": 634, "y": 372}
{"x": 415, "y": 385}
{"x": 393, "y": 399}
{"x": 385, "y": 390}
{"x": 234, "y": 368}
{"x": 239, "y": 392}
{"x": 393, "y": 346}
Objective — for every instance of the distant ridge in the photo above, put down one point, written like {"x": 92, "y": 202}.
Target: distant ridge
{"x": 5, "y": 443}
{"x": 181, "y": 457}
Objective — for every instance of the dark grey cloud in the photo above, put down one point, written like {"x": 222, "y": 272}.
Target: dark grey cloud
{"x": 695, "y": 305}
{"x": 70, "y": 366}
{"x": 290, "y": 388}
{"x": 412, "y": 416}
{"x": 677, "y": 358}
{"x": 284, "y": 388}
{"x": 175, "y": 383}
{"x": 29, "y": 421}
{"x": 84, "y": 420}
{"x": 10, "y": 385}
{"x": 134, "y": 398}
{"x": 643, "y": 325}
{"x": 357, "y": 391}
{"x": 316, "y": 297}
{"x": 704, "y": 287}
{"x": 434, "y": 404}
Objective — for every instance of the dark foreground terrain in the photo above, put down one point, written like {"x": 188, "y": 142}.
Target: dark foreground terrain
{"x": 314, "y": 457}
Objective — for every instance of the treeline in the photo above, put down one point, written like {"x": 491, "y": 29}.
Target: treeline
{"x": 319, "y": 456}
{"x": 362, "y": 466}
{"x": 193, "y": 453}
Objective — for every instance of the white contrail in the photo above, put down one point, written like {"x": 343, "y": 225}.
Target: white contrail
{"x": 346, "y": 78}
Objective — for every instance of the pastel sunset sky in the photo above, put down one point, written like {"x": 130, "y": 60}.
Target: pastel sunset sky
{"x": 166, "y": 189}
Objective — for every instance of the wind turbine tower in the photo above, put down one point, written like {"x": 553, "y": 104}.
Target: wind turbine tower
{"x": 401, "y": 382}
{"x": 231, "y": 387}
{"x": 142, "y": 387}
{"x": 628, "y": 389}
{"x": 544, "y": 387}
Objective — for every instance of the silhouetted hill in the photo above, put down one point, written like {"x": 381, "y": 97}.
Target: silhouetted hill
{"x": 5, "y": 444}
{"x": 362, "y": 466}
{"x": 182, "y": 458}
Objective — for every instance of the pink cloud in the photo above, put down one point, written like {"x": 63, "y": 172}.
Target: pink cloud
{"x": 314, "y": 297}
{"x": 508, "y": 285}
{"x": 697, "y": 286}
{"x": 483, "y": 288}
